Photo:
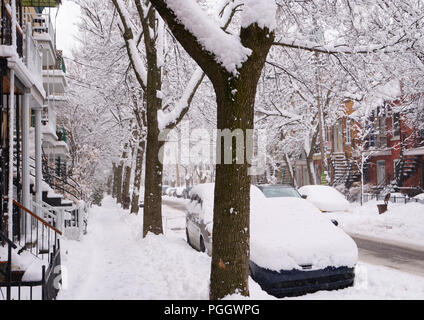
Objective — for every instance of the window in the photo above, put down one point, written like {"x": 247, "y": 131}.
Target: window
{"x": 396, "y": 125}
{"x": 348, "y": 132}
{"x": 380, "y": 133}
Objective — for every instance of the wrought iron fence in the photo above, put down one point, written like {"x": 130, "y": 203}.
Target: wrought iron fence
{"x": 394, "y": 198}
{"x": 41, "y": 239}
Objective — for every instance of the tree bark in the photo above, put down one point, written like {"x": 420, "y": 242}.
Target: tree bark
{"x": 137, "y": 176}
{"x": 115, "y": 182}
{"x": 120, "y": 175}
{"x": 152, "y": 217}
{"x": 126, "y": 187}
{"x": 109, "y": 184}
{"x": 309, "y": 158}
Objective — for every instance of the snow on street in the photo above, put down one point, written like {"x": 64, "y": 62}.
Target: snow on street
{"x": 113, "y": 262}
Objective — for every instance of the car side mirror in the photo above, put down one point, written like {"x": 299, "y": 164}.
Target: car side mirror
{"x": 335, "y": 222}
{"x": 304, "y": 196}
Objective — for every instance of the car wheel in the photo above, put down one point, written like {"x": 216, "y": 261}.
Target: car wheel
{"x": 202, "y": 245}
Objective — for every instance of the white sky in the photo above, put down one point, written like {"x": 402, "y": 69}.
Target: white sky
{"x": 66, "y": 29}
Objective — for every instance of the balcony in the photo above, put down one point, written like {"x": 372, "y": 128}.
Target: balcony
{"x": 6, "y": 27}
{"x": 33, "y": 57}
{"x": 54, "y": 78}
{"x": 45, "y": 35}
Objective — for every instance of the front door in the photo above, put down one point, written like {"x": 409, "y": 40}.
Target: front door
{"x": 381, "y": 172}
{"x": 338, "y": 138}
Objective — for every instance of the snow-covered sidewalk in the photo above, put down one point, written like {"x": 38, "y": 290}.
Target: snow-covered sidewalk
{"x": 114, "y": 262}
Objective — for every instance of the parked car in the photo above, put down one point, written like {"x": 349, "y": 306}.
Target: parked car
{"x": 325, "y": 198}
{"x": 179, "y": 192}
{"x": 164, "y": 189}
{"x": 294, "y": 249}
{"x": 171, "y": 192}
{"x": 186, "y": 193}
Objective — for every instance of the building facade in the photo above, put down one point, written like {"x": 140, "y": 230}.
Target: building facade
{"x": 39, "y": 203}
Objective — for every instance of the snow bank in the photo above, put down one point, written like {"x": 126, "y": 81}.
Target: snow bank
{"x": 420, "y": 196}
{"x": 325, "y": 198}
{"x": 401, "y": 222}
{"x": 375, "y": 283}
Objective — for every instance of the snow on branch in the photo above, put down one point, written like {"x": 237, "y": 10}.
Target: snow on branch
{"x": 132, "y": 49}
{"x": 261, "y": 12}
{"x": 224, "y": 12}
{"x": 226, "y": 48}
{"x": 166, "y": 120}
{"x": 338, "y": 49}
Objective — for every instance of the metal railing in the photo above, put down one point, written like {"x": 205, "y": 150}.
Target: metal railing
{"x": 33, "y": 57}
{"x": 41, "y": 239}
{"x": 6, "y": 26}
{"x": 41, "y": 25}
{"x": 47, "y": 286}
{"x": 6, "y": 268}
{"x": 394, "y": 199}
{"x": 66, "y": 184}
{"x": 39, "y": 232}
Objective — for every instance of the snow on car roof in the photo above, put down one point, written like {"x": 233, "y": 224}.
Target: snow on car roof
{"x": 326, "y": 198}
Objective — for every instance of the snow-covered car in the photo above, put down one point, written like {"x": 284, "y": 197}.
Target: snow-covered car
{"x": 186, "y": 192}
{"x": 164, "y": 190}
{"x": 294, "y": 249}
{"x": 325, "y": 198}
{"x": 179, "y": 192}
{"x": 170, "y": 192}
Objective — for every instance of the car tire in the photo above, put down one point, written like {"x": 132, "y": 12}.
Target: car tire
{"x": 202, "y": 245}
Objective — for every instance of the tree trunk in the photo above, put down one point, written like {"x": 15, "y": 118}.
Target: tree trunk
{"x": 109, "y": 185}
{"x": 126, "y": 188}
{"x": 114, "y": 183}
{"x": 290, "y": 170}
{"x": 119, "y": 183}
{"x": 119, "y": 175}
{"x": 152, "y": 217}
{"x": 137, "y": 176}
{"x": 231, "y": 235}
{"x": 310, "y": 160}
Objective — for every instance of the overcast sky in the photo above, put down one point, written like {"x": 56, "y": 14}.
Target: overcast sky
{"x": 66, "y": 29}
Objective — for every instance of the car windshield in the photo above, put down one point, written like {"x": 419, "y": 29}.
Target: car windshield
{"x": 280, "y": 192}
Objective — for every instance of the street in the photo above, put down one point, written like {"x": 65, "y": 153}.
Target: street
{"x": 402, "y": 257}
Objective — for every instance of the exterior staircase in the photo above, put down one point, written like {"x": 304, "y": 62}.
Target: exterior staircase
{"x": 344, "y": 171}
{"x": 285, "y": 176}
{"x": 405, "y": 168}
